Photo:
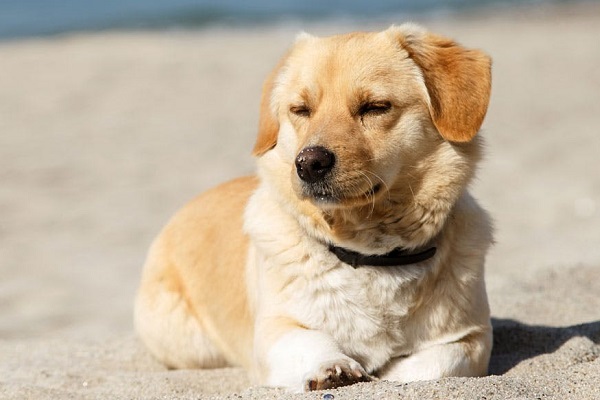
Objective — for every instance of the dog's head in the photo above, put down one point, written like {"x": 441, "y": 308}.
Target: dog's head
{"x": 373, "y": 119}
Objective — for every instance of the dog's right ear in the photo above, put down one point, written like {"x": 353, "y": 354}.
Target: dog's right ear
{"x": 268, "y": 124}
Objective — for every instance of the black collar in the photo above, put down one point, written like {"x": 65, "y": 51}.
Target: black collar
{"x": 394, "y": 258}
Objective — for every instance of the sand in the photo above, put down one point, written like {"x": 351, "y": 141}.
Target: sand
{"x": 103, "y": 136}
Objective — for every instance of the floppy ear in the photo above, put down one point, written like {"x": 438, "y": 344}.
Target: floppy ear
{"x": 268, "y": 125}
{"x": 458, "y": 81}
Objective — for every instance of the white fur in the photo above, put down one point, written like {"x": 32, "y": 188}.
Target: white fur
{"x": 346, "y": 309}
{"x": 302, "y": 355}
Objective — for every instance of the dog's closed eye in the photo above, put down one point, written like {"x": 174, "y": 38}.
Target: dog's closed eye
{"x": 301, "y": 110}
{"x": 374, "y": 108}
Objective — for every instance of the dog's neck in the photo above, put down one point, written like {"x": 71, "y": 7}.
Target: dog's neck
{"x": 385, "y": 227}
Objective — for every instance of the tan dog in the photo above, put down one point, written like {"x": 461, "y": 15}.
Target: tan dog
{"x": 366, "y": 144}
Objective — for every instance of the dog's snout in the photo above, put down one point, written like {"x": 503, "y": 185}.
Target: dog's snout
{"x": 313, "y": 163}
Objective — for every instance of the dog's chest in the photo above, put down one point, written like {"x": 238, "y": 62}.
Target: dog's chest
{"x": 364, "y": 309}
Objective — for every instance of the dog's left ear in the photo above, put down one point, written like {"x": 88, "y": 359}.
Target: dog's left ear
{"x": 458, "y": 81}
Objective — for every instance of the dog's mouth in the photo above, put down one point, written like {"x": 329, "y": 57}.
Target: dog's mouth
{"x": 320, "y": 179}
{"x": 325, "y": 195}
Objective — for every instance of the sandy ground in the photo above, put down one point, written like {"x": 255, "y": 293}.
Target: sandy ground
{"x": 104, "y": 136}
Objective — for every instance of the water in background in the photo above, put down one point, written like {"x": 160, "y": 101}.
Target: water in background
{"x": 21, "y": 18}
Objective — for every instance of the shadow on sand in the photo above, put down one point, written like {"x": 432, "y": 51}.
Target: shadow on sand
{"x": 515, "y": 341}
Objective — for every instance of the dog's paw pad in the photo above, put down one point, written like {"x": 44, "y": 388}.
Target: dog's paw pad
{"x": 336, "y": 374}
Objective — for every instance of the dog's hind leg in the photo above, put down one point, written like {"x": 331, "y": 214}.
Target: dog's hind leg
{"x": 166, "y": 323}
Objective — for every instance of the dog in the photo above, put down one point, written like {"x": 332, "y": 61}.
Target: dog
{"x": 357, "y": 252}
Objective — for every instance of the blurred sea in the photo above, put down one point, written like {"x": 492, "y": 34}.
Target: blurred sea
{"x": 22, "y": 18}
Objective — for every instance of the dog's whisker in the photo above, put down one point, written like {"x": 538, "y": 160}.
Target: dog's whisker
{"x": 412, "y": 192}
{"x": 383, "y": 182}
{"x": 370, "y": 194}
{"x": 380, "y": 179}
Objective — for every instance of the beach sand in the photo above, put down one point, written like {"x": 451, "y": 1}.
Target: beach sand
{"x": 103, "y": 136}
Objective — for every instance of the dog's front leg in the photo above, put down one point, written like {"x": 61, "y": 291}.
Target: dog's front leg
{"x": 300, "y": 359}
{"x": 468, "y": 356}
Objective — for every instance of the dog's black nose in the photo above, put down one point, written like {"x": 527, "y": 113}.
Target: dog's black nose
{"x": 313, "y": 163}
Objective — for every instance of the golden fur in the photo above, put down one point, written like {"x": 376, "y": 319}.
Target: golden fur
{"x": 243, "y": 275}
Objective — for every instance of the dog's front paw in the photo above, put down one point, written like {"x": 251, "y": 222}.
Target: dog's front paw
{"x": 336, "y": 373}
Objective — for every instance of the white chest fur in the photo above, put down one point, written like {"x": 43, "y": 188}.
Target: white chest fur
{"x": 363, "y": 309}
{"x": 293, "y": 275}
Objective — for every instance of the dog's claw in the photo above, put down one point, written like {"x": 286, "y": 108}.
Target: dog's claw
{"x": 341, "y": 373}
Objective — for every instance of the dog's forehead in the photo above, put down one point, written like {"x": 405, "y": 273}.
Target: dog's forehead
{"x": 357, "y": 48}
{"x": 351, "y": 57}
